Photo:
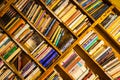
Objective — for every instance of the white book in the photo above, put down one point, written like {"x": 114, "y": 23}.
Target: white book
{"x": 61, "y": 7}
{"x": 102, "y": 52}
{"x": 3, "y": 41}
{"x": 114, "y": 70}
{"x": 23, "y": 3}
{"x": 111, "y": 20}
{"x": 83, "y": 75}
{"x": 33, "y": 73}
{"x": 32, "y": 11}
{"x": 96, "y": 47}
{"x": 37, "y": 47}
{"x": 86, "y": 36}
{"x": 28, "y": 71}
{"x": 19, "y": 3}
{"x": 112, "y": 66}
{"x": 44, "y": 54}
{"x": 111, "y": 62}
{"x": 21, "y": 31}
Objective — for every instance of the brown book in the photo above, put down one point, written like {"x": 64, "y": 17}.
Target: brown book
{"x": 73, "y": 63}
{"x": 88, "y": 75}
{"x": 17, "y": 24}
{"x": 2, "y": 37}
{"x": 106, "y": 57}
{"x": 73, "y": 17}
{"x": 55, "y": 26}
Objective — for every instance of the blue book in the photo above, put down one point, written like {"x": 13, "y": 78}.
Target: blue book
{"x": 50, "y": 27}
{"x": 100, "y": 11}
{"x": 49, "y": 61}
{"x": 84, "y": 4}
{"x": 47, "y": 56}
{"x": 48, "y": 1}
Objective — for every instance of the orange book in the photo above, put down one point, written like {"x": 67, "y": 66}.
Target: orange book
{"x": 73, "y": 17}
{"x": 14, "y": 27}
{"x": 52, "y": 30}
{"x": 3, "y": 36}
{"x": 72, "y": 64}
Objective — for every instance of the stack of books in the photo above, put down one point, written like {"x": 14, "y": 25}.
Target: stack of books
{"x": 11, "y": 53}
{"x": 101, "y": 52}
{"x": 76, "y": 67}
{"x": 112, "y": 25}
{"x": 47, "y": 25}
{"x": 6, "y": 73}
{"x": 69, "y": 14}
{"x": 94, "y": 7}
{"x": 54, "y": 76}
{"x": 45, "y": 54}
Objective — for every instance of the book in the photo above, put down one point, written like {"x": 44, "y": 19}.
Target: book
{"x": 47, "y": 56}
{"x": 73, "y": 18}
{"x": 61, "y": 7}
{"x": 13, "y": 55}
{"x": 49, "y": 27}
{"x": 17, "y": 24}
{"x": 65, "y": 10}
{"x": 9, "y": 53}
{"x": 35, "y": 14}
{"x": 21, "y": 31}
{"x": 55, "y": 3}
{"x": 99, "y": 12}
{"x": 86, "y": 36}
{"x": 69, "y": 14}
{"x": 50, "y": 60}
{"x": 55, "y": 26}
{"x": 44, "y": 53}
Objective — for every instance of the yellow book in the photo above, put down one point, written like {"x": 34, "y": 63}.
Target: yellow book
{"x": 58, "y": 33}
{"x": 78, "y": 22}
{"x": 116, "y": 75}
{"x": 41, "y": 11}
{"x": 42, "y": 20}
{"x": 116, "y": 29}
{"x": 13, "y": 24}
{"x": 11, "y": 21}
{"x": 117, "y": 36}
{"x": 99, "y": 51}
{"x": 80, "y": 31}
{"x": 40, "y": 49}
{"x": 36, "y": 75}
{"x": 55, "y": 34}
{"x": 113, "y": 24}
{"x": 55, "y": 3}
{"x": 69, "y": 14}
{"x": 13, "y": 55}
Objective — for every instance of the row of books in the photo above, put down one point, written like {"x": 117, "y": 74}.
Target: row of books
{"x": 46, "y": 24}
{"x": 76, "y": 67}
{"x": 12, "y": 54}
{"x": 54, "y": 76}
{"x": 94, "y": 7}
{"x": 101, "y": 52}
{"x": 6, "y": 73}
{"x": 72, "y": 17}
{"x": 112, "y": 25}
{"x": 45, "y": 54}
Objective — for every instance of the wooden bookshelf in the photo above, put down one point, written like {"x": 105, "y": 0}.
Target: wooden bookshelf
{"x": 94, "y": 23}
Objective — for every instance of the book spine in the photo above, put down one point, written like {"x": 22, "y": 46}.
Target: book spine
{"x": 50, "y": 26}
{"x": 10, "y": 52}
{"x": 48, "y": 62}
{"x": 47, "y": 56}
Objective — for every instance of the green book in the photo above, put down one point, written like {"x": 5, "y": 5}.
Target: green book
{"x": 91, "y": 43}
{"x": 10, "y": 52}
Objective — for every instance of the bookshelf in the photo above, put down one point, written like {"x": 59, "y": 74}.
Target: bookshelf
{"x": 51, "y": 37}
